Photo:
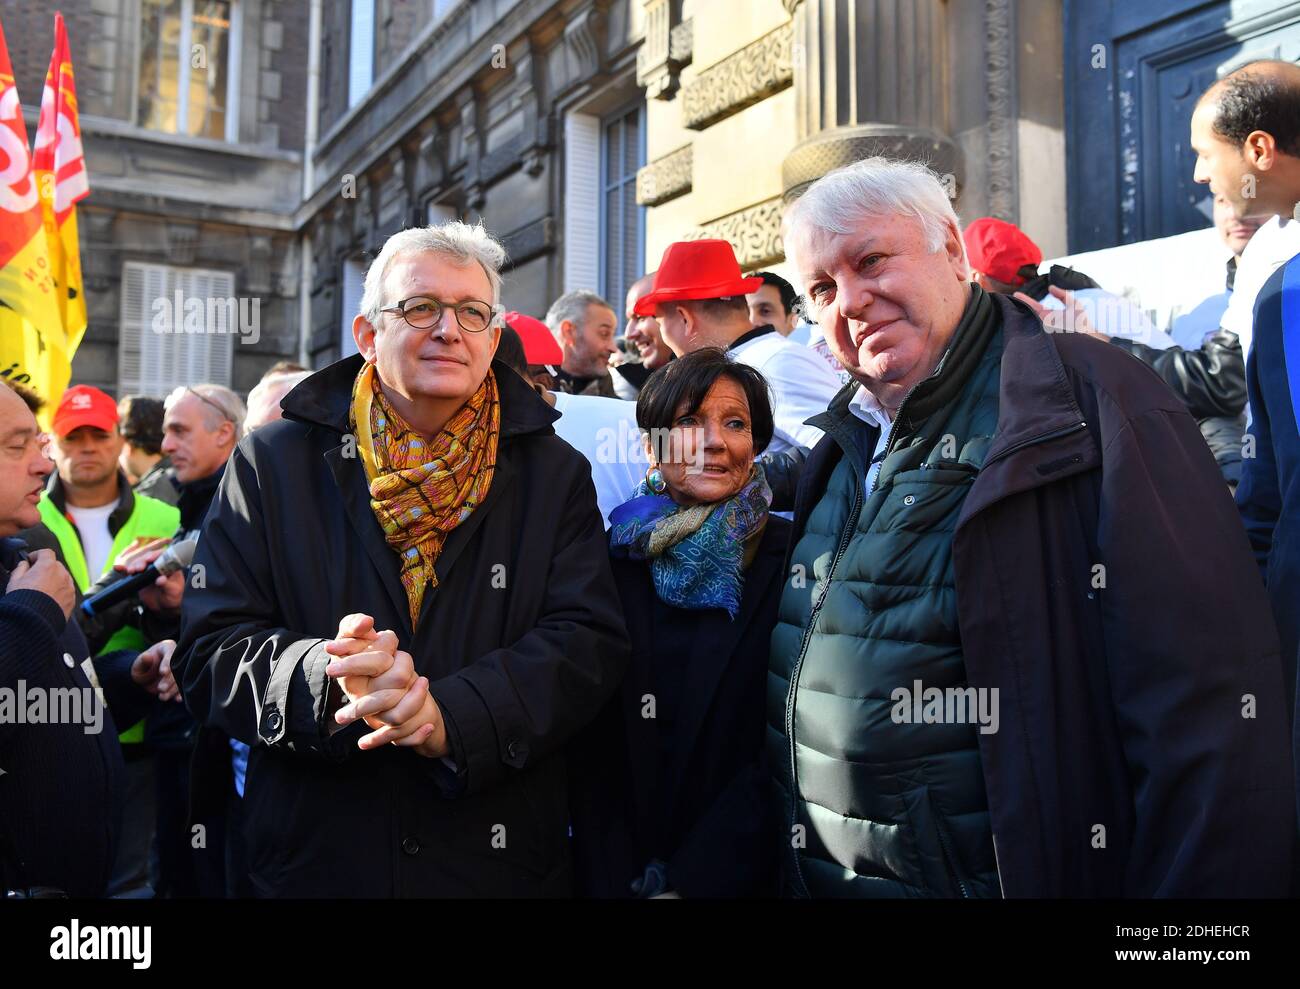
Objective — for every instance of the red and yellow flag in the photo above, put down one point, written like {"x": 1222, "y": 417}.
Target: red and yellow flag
{"x": 33, "y": 348}
{"x": 61, "y": 182}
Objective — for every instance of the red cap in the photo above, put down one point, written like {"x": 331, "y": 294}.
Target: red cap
{"x": 1000, "y": 249}
{"x": 696, "y": 269}
{"x": 82, "y": 405}
{"x": 540, "y": 345}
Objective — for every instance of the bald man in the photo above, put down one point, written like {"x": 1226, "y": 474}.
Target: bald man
{"x": 643, "y": 333}
{"x": 1246, "y": 132}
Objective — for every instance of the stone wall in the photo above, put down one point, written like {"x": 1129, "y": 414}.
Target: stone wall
{"x": 466, "y": 116}
{"x": 175, "y": 199}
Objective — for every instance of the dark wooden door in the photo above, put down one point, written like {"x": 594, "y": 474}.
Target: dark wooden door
{"x": 1134, "y": 71}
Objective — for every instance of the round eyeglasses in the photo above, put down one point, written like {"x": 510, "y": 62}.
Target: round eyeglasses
{"x": 422, "y": 313}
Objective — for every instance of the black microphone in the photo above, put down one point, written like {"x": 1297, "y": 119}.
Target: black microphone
{"x": 175, "y": 557}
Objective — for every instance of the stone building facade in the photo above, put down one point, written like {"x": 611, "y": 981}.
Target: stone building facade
{"x": 198, "y": 198}
{"x": 511, "y": 111}
{"x": 586, "y": 134}
{"x": 770, "y": 96}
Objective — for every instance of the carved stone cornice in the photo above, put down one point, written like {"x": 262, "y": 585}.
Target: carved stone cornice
{"x": 754, "y": 73}
{"x": 681, "y": 42}
{"x": 182, "y": 241}
{"x": 363, "y": 216}
{"x": 527, "y": 98}
{"x": 430, "y": 163}
{"x": 257, "y": 274}
{"x": 754, "y": 233}
{"x": 467, "y": 103}
{"x": 324, "y": 264}
{"x": 665, "y": 178}
{"x": 583, "y": 42}
{"x": 658, "y": 64}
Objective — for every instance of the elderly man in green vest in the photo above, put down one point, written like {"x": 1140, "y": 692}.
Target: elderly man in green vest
{"x": 994, "y": 671}
{"x": 90, "y": 515}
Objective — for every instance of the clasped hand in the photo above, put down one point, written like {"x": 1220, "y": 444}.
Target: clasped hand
{"x": 383, "y": 690}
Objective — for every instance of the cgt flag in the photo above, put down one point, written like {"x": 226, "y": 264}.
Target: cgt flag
{"x": 62, "y": 182}
{"x": 32, "y": 346}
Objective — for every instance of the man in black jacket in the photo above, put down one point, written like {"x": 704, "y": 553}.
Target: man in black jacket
{"x": 410, "y": 557}
{"x": 201, "y": 425}
{"x": 61, "y": 791}
{"x": 1000, "y": 674}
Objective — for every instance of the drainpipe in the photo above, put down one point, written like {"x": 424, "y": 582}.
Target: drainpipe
{"x": 309, "y": 180}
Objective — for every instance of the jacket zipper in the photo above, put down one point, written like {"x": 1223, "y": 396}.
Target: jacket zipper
{"x": 949, "y": 859}
{"x": 845, "y": 537}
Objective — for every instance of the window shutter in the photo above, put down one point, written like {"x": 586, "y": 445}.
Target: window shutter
{"x": 581, "y": 201}
{"x": 154, "y": 361}
{"x": 354, "y": 275}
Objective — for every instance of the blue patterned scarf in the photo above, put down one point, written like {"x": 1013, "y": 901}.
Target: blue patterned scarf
{"x": 696, "y": 552}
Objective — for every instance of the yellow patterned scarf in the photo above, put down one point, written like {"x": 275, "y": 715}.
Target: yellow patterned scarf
{"x": 420, "y": 491}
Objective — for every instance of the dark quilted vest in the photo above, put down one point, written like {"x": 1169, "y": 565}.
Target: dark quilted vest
{"x": 878, "y": 807}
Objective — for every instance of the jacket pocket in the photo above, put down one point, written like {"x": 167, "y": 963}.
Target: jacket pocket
{"x": 937, "y": 867}
{"x": 920, "y": 499}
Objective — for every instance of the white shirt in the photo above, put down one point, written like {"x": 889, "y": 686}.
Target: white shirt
{"x": 865, "y": 407}
{"x": 1274, "y": 244}
{"x": 96, "y": 540}
{"x": 604, "y": 430}
{"x": 802, "y": 386}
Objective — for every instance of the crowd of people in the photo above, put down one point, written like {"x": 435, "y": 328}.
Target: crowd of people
{"x": 928, "y": 581}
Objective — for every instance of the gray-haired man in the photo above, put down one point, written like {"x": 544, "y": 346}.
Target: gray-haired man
{"x": 408, "y": 607}
{"x": 584, "y": 324}
{"x": 994, "y": 672}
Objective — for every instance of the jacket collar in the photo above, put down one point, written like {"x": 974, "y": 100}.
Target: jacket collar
{"x": 1041, "y": 435}
{"x": 58, "y": 496}
{"x": 325, "y": 398}
{"x": 195, "y": 496}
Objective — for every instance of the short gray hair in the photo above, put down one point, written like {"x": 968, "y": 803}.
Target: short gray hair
{"x": 231, "y": 406}
{"x": 461, "y": 243}
{"x": 274, "y": 386}
{"x": 573, "y": 306}
{"x": 840, "y": 200}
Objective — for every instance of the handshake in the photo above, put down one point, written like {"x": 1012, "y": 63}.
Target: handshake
{"x": 379, "y": 684}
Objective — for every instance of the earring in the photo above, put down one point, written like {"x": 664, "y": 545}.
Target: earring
{"x": 654, "y": 479}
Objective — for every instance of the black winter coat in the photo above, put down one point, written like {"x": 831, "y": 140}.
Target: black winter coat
{"x": 687, "y": 786}
{"x": 522, "y": 642}
{"x": 61, "y": 795}
{"x": 1146, "y": 697}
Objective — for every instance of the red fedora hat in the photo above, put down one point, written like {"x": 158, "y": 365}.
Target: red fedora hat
{"x": 696, "y": 269}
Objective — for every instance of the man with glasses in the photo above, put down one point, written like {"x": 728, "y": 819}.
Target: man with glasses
{"x": 90, "y": 515}
{"x": 63, "y": 789}
{"x": 408, "y": 608}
